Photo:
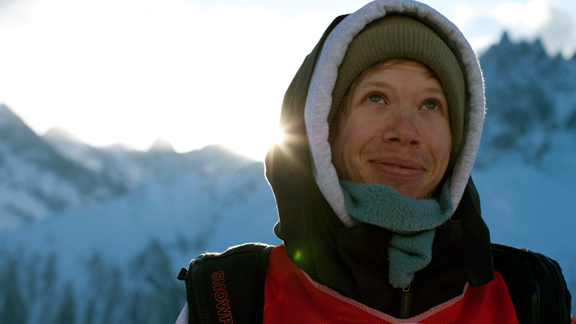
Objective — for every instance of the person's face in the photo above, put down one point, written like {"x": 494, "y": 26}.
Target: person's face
{"x": 396, "y": 131}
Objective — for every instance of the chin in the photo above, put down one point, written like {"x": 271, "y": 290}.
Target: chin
{"x": 412, "y": 193}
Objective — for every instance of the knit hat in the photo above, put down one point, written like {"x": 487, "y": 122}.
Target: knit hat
{"x": 397, "y": 36}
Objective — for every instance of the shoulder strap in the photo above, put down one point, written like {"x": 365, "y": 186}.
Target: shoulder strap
{"x": 227, "y": 287}
{"x": 536, "y": 285}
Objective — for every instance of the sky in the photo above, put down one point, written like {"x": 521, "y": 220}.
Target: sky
{"x": 199, "y": 72}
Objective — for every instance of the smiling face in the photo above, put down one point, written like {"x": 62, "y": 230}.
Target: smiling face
{"x": 394, "y": 130}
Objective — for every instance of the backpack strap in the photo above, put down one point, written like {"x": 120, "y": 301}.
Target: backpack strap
{"x": 227, "y": 287}
{"x": 535, "y": 284}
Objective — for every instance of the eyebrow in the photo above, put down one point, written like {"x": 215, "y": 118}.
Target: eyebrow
{"x": 382, "y": 84}
{"x": 434, "y": 90}
{"x": 377, "y": 84}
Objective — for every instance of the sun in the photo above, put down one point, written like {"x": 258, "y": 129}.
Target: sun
{"x": 255, "y": 143}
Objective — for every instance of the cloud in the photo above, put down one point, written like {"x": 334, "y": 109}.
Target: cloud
{"x": 4, "y": 3}
{"x": 14, "y": 12}
{"x": 529, "y": 17}
{"x": 558, "y": 34}
{"x": 538, "y": 19}
{"x": 284, "y": 8}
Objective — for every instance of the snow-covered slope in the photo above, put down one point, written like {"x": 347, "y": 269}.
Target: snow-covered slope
{"x": 116, "y": 261}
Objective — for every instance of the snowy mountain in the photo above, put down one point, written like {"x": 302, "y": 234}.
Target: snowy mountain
{"x": 526, "y": 162}
{"x": 133, "y": 168}
{"x": 36, "y": 180}
{"x": 112, "y": 256}
{"x": 531, "y": 99}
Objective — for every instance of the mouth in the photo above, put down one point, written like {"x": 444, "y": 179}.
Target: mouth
{"x": 398, "y": 168}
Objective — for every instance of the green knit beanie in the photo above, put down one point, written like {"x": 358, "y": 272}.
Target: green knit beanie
{"x": 404, "y": 37}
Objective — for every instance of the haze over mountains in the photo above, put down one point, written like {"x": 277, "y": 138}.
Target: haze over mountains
{"x": 97, "y": 235}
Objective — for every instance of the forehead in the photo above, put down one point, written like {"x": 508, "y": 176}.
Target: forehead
{"x": 390, "y": 63}
{"x": 410, "y": 75}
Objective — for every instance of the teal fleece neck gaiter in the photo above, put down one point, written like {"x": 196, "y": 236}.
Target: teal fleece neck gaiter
{"x": 413, "y": 222}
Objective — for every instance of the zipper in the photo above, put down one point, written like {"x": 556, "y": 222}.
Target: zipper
{"x": 406, "y": 301}
{"x": 201, "y": 308}
{"x": 561, "y": 285}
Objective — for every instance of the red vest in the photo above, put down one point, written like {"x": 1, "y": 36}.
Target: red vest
{"x": 292, "y": 297}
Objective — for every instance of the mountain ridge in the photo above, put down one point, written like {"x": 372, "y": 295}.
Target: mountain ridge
{"x": 530, "y": 96}
{"x": 29, "y": 170}
{"x": 43, "y": 175}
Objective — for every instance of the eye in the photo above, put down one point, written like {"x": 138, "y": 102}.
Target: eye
{"x": 376, "y": 98}
{"x": 430, "y": 105}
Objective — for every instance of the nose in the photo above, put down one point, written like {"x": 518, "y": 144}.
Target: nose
{"x": 401, "y": 129}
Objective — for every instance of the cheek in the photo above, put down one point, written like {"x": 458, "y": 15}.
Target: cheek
{"x": 443, "y": 144}
{"x": 352, "y": 136}
{"x": 361, "y": 125}
{"x": 439, "y": 139}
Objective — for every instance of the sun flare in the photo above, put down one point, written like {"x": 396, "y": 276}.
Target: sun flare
{"x": 255, "y": 143}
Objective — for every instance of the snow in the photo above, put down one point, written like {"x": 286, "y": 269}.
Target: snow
{"x": 164, "y": 209}
{"x": 171, "y": 217}
{"x": 527, "y": 208}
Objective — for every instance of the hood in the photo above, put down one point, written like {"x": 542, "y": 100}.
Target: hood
{"x": 310, "y": 201}
{"x": 319, "y": 97}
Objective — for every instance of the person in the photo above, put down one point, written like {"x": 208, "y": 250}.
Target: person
{"x": 378, "y": 214}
